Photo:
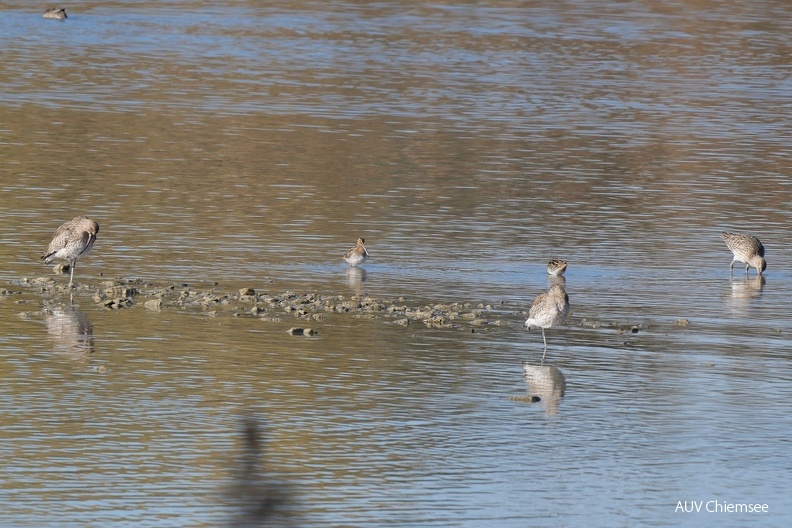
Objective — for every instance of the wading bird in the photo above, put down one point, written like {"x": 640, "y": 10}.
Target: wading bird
{"x": 747, "y": 249}
{"x": 358, "y": 254}
{"x": 71, "y": 241}
{"x": 548, "y": 309}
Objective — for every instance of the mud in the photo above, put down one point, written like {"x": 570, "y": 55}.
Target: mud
{"x": 306, "y": 311}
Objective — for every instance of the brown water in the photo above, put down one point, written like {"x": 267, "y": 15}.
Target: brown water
{"x": 469, "y": 143}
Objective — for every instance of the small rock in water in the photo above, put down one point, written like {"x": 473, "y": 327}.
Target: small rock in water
{"x": 247, "y": 291}
{"x": 117, "y": 303}
{"x": 682, "y": 322}
{"x": 153, "y": 304}
{"x": 296, "y": 331}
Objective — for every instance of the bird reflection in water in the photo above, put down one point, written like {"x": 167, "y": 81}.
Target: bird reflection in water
{"x": 70, "y": 331}
{"x": 744, "y": 291}
{"x": 255, "y": 497}
{"x": 546, "y": 385}
{"x": 356, "y": 277}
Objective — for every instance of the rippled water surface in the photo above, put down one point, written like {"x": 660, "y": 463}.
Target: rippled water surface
{"x": 248, "y": 144}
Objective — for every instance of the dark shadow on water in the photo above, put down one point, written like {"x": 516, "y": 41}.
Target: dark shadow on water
{"x": 256, "y": 497}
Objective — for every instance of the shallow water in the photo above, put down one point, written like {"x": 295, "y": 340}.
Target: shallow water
{"x": 250, "y": 145}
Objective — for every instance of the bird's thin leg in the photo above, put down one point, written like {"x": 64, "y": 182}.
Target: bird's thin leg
{"x": 545, "y": 346}
{"x": 71, "y": 269}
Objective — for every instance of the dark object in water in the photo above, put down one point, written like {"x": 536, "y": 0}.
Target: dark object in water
{"x": 257, "y": 497}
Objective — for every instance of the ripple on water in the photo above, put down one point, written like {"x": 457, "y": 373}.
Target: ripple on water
{"x": 469, "y": 150}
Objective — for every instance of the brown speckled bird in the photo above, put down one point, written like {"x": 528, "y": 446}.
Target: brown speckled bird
{"x": 71, "y": 241}
{"x": 358, "y": 254}
{"x": 747, "y": 249}
{"x": 548, "y": 309}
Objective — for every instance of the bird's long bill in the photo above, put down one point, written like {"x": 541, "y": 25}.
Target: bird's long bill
{"x": 88, "y": 243}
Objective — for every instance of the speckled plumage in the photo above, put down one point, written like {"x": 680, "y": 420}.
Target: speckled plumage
{"x": 556, "y": 267}
{"x": 747, "y": 249}
{"x": 548, "y": 309}
{"x": 358, "y": 254}
{"x": 58, "y": 13}
{"x": 72, "y": 240}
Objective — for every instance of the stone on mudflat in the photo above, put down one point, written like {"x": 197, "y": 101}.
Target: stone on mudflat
{"x": 153, "y": 304}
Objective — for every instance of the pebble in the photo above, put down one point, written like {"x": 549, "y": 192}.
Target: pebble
{"x": 117, "y": 303}
{"x": 153, "y": 304}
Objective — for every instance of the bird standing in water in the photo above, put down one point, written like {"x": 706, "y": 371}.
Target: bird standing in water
{"x": 747, "y": 249}
{"x": 548, "y": 309}
{"x": 358, "y": 254}
{"x": 72, "y": 240}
